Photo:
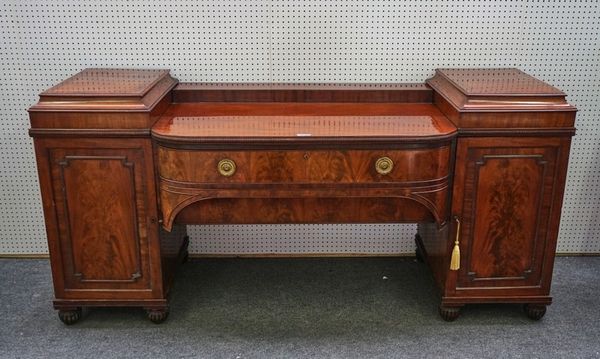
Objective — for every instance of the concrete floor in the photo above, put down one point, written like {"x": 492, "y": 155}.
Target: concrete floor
{"x": 298, "y": 308}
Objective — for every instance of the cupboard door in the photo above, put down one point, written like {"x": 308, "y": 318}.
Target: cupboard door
{"x": 101, "y": 204}
{"x": 504, "y": 194}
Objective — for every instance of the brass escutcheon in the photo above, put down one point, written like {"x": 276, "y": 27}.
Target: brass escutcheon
{"x": 226, "y": 167}
{"x": 384, "y": 165}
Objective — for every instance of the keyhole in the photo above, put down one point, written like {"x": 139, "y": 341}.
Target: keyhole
{"x": 306, "y": 156}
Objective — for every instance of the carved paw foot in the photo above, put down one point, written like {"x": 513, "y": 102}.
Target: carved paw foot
{"x": 69, "y": 317}
{"x": 157, "y": 316}
{"x": 535, "y": 311}
{"x": 449, "y": 314}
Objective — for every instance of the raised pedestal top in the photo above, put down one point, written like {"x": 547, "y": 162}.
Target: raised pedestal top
{"x": 113, "y": 90}
{"x": 500, "y": 90}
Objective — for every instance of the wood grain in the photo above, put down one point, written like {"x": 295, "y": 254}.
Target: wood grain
{"x": 100, "y": 207}
{"x": 105, "y": 243}
{"x": 496, "y": 90}
{"x": 508, "y": 190}
{"x": 120, "y": 151}
{"x": 346, "y": 166}
{"x": 108, "y": 90}
{"x": 197, "y": 127}
{"x": 509, "y": 177}
{"x": 510, "y": 123}
{"x": 278, "y": 92}
{"x": 497, "y": 82}
{"x": 108, "y": 82}
{"x": 304, "y": 210}
{"x": 324, "y": 124}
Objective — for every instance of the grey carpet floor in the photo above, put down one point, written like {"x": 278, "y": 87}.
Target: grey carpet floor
{"x": 305, "y": 308}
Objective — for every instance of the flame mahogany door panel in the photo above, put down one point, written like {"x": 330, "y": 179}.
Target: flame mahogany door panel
{"x": 510, "y": 196}
{"x": 103, "y": 212}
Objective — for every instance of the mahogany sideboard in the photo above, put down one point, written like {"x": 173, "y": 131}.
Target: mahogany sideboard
{"x": 126, "y": 158}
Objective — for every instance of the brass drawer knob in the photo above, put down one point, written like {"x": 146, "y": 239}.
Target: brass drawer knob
{"x": 226, "y": 167}
{"x": 384, "y": 165}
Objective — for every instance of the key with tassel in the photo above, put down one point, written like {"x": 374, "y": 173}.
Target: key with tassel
{"x": 455, "y": 258}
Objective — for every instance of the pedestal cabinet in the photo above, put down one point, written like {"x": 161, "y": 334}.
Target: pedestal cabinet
{"x": 512, "y": 154}
{"x": 96, "y": 170}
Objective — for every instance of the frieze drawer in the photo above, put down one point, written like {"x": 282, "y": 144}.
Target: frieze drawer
{"x": 304, "y": 166}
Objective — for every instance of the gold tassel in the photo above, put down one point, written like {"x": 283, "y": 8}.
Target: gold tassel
{"x": 455, "y": 259}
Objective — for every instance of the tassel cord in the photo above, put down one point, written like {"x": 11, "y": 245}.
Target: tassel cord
{"x": 455, "y": 257}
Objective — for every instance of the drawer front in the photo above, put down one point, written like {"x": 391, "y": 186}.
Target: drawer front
{"x": 318, "y": 166}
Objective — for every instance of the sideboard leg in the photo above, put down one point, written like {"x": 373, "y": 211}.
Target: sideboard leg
{"x": 419, "y": 255}
{"x": 185, "y": 254}
{"x": 449, "y": 314}
{"x": 534, "y": 311}
{"x": 157, "y": 316}
{"x": 70, "y": 316}
{"x": 420, "y": 250}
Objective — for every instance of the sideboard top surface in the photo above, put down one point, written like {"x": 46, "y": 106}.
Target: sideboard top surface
{"x": 190, "y": 122}
{"x": 301, "y": 126}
